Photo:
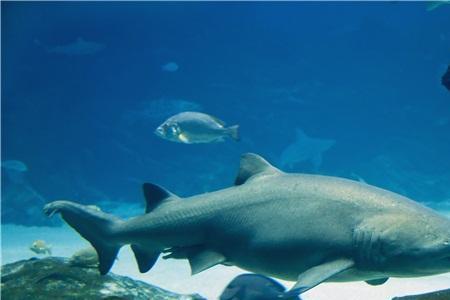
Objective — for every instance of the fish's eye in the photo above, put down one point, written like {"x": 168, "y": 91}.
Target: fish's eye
{"x": 174, "y": 129}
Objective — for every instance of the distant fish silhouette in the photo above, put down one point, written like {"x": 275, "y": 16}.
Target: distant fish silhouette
{"x": 78, "y": 47}
{"x": 432, "y": 5}
{"x": 41, "y": 247}
{"x": 14, "y": 170}
{"x": 446, "y": 79}
{"x": 305, "y": 148}
{"x": 14, "y": 165}
{"x": 170, "y": 67}
{"x": 254, "y": 287}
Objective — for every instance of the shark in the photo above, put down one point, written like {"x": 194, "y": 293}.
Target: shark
{"x": 297, "y": 227}
{"x": 305, "y": 148}
{"x": 77, "y": 48}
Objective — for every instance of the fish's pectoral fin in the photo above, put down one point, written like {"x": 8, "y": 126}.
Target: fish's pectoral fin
{"x": 318, "y": 274}
{"x": 145, "y": 258}
{"x": 253, "y": 165}
{"x": 182, "y": 137}
{"x": 377, "y": 281}
{"x": 204, "y": 259}
{"x": 155, "y": 195}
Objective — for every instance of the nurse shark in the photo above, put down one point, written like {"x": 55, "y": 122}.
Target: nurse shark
{"x": 297, "y": 227}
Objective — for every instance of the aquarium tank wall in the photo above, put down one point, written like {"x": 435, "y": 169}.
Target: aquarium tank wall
{"x": 99, "y": 98}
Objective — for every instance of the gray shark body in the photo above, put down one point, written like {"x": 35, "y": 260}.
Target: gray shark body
{"x": 304, "y": 228}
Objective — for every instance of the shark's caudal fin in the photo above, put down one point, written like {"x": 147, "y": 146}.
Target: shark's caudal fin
{"x": 94, "y": 225}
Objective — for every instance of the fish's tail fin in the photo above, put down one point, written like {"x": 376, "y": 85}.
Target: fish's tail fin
{"x": 233, "y": 131}
{"x": 92, "y": 224}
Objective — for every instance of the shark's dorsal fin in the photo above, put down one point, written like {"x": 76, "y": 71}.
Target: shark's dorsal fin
{"x": 155, "y": 195}
{"x": 253, "y": 165}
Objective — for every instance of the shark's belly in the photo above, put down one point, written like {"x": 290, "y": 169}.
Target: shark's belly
{"x": 280, "y": 263}
{"x": 282, "y": 244}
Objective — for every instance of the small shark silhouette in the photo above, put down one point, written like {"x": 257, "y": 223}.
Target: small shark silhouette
{"x": 79, "y": 47}
{"x": 305, "y": 148}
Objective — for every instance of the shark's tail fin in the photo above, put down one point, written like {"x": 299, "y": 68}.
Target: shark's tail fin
{"x": 94, "y": 225}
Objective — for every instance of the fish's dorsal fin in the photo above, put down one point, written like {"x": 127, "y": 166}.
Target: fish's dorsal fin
{"x": 219, "y": 121}
{"x": 155, "y": 195}
{"x": 253, "y": 165}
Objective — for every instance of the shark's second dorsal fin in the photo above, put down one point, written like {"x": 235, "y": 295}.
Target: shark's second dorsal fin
{"x": 253, "y": 165}
{"x": 155, "y": 195}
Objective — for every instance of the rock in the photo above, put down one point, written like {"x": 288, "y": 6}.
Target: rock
{"x": 439, "y": 295}
{"x": 85, "y": 258}
{"x": 55, "y": 278}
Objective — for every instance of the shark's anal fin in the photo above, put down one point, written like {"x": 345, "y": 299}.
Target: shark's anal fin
{"x": 312, "y": 277}
{"x": 155, "y": 195}
{"x": 377, "y": 281}
{"x": 145, "y": 258}
{"x": 253, "y": 165}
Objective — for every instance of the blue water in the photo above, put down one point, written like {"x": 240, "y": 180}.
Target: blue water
{"x": 84, "y": 86}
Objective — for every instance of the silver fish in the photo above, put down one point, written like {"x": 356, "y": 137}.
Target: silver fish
{"x": 41, "y": 247}
{"x": 195, "y": 127}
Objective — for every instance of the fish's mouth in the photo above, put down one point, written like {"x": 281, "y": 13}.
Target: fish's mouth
{"x": 159, "y": 131}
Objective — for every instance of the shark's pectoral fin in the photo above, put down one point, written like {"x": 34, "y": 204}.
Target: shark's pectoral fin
{"x": 253, "y": 165}
{"x": 312, "y": 277}
{"x": 377, "y": 281}
{"x": 145, "y": 258}
{"x": 204, "y": 259}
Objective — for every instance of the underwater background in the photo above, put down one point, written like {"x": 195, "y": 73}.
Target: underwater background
{"x": 350, "y": 89}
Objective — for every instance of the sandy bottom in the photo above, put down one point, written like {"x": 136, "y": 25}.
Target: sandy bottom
{"x": 174, "y": 275}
